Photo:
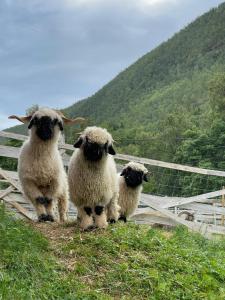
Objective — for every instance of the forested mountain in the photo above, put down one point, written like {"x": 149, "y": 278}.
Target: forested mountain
{"x": 166, "y": 91}
{"x": 168, "y": 105}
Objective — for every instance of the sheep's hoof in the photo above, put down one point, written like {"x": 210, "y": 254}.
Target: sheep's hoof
{"x": 42, "y": 218}
{"x": 89, "y": 228}
{"x": 45, "y": 218}
{"x": 86, "y": 223}
{"x": 112, "y": 221}
{"x": 123, "y": 218}
{"x": 49, "y": 218}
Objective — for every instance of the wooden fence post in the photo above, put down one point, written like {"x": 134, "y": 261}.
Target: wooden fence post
{"x": 223, "y": 204}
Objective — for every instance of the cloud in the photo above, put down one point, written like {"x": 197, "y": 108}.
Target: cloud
{"x": 55, "y": 52}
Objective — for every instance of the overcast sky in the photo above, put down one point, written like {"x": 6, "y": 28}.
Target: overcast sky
{"x": 55, "y": 52}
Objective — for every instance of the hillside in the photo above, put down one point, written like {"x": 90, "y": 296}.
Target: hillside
{"x": 169, "y": 105}
{"x": 172, "y": 79}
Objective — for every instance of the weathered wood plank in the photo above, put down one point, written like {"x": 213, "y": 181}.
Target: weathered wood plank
{"x": 166, "y": 202}
{"x": 21, "y": 137}
{"x": 66, "y": 147}
{"x": 15, "y": 136}
{"x": 20, "y": 208}
{"x": 8, "y": 151}
{"x": 200, "y": 198}
{"x": 11, "y": 174}
{"x": 6, "y": 191}
{"x": 203, "y": 208}
{"x": 18, "y": 197}
{"x": 201, "y": 228}
{"x": 153, "y": 219}
{"x": 223, "y": 204}
{"x": 168, "y": 165}
{"x": 13, "y": 152}
{"x": 10, "y": 180}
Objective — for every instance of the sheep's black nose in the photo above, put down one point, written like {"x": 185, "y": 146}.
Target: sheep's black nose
{"x": 93, "y": 151}
{"x": 45, "y": 128}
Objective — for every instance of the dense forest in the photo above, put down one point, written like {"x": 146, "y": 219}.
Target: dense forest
{"x": 169, "y": 105}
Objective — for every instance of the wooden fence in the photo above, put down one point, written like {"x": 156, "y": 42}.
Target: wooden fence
{"x": 208, "y": 209}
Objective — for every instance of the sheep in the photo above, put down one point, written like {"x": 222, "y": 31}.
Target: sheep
{"x": 92, "y": 178}
{"x": 40, "y": 167}
{"x": 130, "y": 187}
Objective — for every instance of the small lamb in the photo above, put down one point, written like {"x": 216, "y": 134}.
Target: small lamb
{"x": 130, "y": 187}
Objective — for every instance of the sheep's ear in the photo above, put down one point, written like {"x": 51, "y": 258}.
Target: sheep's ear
{"x": 111, "y": 150}
{"x": 78, "y": 143}
{"x": 123, "y": 172}
{"x": 73, "y": 121}
{"x": 145, "y": 178}
{"x": 60, "y": 125}
{"x": 31, "y": 123}
{"x": 21, "y": 119}
{"x": 68, "y": 121}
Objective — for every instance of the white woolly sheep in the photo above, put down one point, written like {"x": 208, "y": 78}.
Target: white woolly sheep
{"x": 130, "y": 187}
{"x": 92, "y": 178}
{"x": 40, "y": 165}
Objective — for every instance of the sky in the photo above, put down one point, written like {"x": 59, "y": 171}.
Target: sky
{"x": 56, "y": 52}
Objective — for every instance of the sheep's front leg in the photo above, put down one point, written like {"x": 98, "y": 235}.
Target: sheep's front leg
{"x": 113, "y": 209}
{"x": 33, "y": 193}
{"x": 123, "y": 218}
{"x": 49, "y": 204}
{"x": 100, "y": 217}
{"x": 63, "y": 206}
{"x": 50, "y": 198}
{"x": 85, "y": 217}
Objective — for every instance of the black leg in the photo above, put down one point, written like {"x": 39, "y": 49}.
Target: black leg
{"x": 49, "y": 218}
{"x": 99, "y": 210}
{"x": 123, "y": 218}
{"x": 45, "y": 218}
{"x": 112, "y": 221}
{"x": 40, "y": 200}
{"x": 42, "y": 218}
{"x": 43, "y": 200}
{"x": 88, "y": 210}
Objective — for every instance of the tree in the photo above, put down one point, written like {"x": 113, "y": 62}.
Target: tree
{"x": 217, "y": 93}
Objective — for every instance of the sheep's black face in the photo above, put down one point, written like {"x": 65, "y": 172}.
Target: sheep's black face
{"x": 132, "y": 177}
{"x": 44, "y": 127}
{"x": 93, "y": 151}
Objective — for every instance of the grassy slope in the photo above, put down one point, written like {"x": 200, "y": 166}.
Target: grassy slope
{"x": 123, "y": 262}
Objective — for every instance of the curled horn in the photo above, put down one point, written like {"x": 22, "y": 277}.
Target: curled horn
{"x": 21, "y": 119}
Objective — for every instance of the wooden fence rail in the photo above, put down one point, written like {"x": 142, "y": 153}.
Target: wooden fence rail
{"x": 124, "y": 157}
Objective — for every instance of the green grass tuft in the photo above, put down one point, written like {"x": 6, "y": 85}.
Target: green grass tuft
{"x": 126, "y": 261}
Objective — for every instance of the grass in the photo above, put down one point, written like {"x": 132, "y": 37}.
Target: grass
{"x": 122, "y": 262}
